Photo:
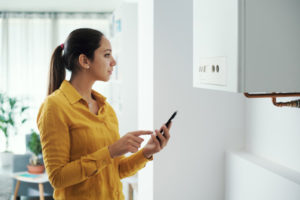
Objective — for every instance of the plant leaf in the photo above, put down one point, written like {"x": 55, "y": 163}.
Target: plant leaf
{"x": 5, "y": 131}
{"x": 34, "y": 143}
{"x": 24, "y": 108}
{"x": 10, "y": 119}
{"x": 2, "y": 128}
{"x": 2, "y": 98}
{"x": 12, "y": 102}
{"x": 2, "y": 119}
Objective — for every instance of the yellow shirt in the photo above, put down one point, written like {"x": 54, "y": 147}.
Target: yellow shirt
{"x": 75, "y": 147}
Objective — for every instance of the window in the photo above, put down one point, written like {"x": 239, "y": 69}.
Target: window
{"x": 27, "y": 41}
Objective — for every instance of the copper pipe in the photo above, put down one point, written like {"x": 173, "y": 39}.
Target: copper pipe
{"x": 295, "y": 103}
{"x": 272, "y": 95}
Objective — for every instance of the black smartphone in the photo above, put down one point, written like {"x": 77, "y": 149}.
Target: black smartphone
{"x": 167, "y": 123}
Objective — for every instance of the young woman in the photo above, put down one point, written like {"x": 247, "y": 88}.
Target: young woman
{"x": 82, "y": 149}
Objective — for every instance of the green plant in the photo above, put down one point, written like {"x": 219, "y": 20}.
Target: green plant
{"x": 11, "y": 116}
{"x": 34, "y": 145}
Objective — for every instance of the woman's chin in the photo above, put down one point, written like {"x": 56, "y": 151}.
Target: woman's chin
{"x": 104, "y": 79}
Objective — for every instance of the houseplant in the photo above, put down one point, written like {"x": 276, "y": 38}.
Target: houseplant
{"x": 12, "y": 116}
{"x": 34, "y": 144}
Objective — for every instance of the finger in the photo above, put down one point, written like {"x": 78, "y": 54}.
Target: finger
{"x": 155, "y": 140}
{"x": 161, "y": 138}
{"x": 133, "y": 149}
{"x": 134, "y": 144}
{"x": 138, "y": 133}
{"x": 166, "y": 132}
{"x": 137, "y": 139}
{"x": 163, "y": 130}
{"x": 170, "y": 125}
{"x": 151, "y": 139}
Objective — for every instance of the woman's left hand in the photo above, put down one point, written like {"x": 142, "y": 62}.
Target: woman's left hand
{"x": 154, "y": 145}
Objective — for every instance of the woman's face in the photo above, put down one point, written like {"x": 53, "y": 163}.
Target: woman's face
{"x": 102, "y": 65}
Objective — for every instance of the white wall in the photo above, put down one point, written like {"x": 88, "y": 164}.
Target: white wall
{"x": 145, "y": 89}
{"x": 273, "y": 132}
{"x": 208, "y": 122}
{"x": 125, "y": 46}
{"x": 270, "y": 167}
{"x": 251, "y": 177}
{"x": 127, "y": 64}
{"x": 272, "y": 143}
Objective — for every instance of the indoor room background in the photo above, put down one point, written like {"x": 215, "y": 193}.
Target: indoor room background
{"x": 223, "y": 145}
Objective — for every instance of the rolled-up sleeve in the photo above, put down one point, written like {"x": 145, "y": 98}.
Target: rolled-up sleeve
{"x": 128, "y": 166}
{"x": 55, "y": 140}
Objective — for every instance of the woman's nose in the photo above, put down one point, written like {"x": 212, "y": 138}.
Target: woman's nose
{"x": 113, "y": 62}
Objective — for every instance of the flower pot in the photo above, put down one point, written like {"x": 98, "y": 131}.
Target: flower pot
{"x": 35, "y": 169}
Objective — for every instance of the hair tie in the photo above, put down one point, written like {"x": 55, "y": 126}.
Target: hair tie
{"x": 62, "y": 46}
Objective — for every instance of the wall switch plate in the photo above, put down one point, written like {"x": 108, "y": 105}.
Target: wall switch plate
{"x": 210, "y": 71}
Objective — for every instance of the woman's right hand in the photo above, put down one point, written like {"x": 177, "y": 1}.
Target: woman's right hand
{"x": 130, "y": 142}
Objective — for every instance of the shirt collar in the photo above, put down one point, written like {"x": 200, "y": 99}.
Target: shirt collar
{"x": 99, "y": 97}
{"x": 73, "y": 95}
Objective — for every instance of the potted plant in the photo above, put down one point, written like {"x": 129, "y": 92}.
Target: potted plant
{"x": 11, "y": 117}
{"x": 35, "y": 164}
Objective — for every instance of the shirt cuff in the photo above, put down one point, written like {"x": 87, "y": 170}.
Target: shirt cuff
{"x": 103, "y": 157}
{"x": 144, "y": 157}
{"x": 94, "y": 162}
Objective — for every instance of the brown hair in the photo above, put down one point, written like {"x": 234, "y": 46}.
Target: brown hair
{"x": 80, "y": 41}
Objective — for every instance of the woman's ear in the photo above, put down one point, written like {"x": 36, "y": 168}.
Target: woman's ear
{"x": 83, "y": 61}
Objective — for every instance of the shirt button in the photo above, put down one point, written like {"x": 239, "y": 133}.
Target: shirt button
{"x": 117, "y": 193}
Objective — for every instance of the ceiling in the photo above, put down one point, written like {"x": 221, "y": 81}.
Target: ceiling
{"x": 59, "y": 5}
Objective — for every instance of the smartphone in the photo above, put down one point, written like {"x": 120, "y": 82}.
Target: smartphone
{"x": 167, "y": 123}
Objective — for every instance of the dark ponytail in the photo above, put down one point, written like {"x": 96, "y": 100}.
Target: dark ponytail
{"x": 80, "y": 41}
{"x": 57, "y": 70}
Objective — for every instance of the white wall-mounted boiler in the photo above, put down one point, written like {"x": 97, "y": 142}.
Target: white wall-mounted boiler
{"x": 247, "y": 45}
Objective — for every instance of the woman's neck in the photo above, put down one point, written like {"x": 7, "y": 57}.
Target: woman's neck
{"x": 83, "y": 85}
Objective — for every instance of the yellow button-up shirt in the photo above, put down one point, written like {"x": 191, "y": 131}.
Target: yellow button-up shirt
{"x": 75, "y": 147}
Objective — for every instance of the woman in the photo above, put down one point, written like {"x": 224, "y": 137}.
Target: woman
{"x": 82, "y": 150}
